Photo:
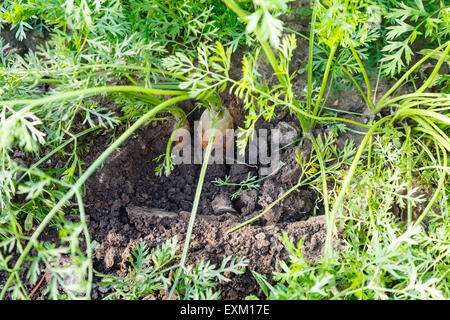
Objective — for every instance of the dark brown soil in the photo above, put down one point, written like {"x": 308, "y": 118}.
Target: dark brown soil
{"x": 127, "y": 180}
{"x": 31, "y": 42}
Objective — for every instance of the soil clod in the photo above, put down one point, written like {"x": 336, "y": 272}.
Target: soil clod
{"x": 222, "y": 204}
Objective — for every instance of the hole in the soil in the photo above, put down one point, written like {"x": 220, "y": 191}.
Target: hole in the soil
{"x": 123, "y": 215}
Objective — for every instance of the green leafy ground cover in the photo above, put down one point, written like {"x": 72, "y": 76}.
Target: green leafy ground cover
{"x": 171, "y": 51}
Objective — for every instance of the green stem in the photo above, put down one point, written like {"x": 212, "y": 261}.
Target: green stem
{"x": 236, "y": 8}
{"x": 356, "y": 85}
{"x": 435, "y": 70}
{"x": 132, "y": 67}
{"x": 324, "y": 81}
{"x": 132, "y": 80}
{"x": 88, "y": 243}
{"x": 55, "y": 81}
{"x": 310, "y": 65}
{"x": 144, "y": 97}
{"x": 324, "y": 101}
{"x": 168, "y": 11}
{"x": 366, "y": 78}
{"x": 58, "y": 148}
{"x": 409, "y": 171}
{"x": 324, "y": 191}
{"x": 310, "y": 57}
{"x": 168, "y": 158}
{"x": 304, "y": 123}
{"x": 266, "y": 209}
{"x": 88, "y": 92}
{"x": 198, "y": 192}
{"x": 84, "y": 176}
{"x": 414, "y": 96}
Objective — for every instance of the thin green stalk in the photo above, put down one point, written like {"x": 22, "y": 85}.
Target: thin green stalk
{"x": 432, "y": 126}
{"x": 368, "y": 195}
{"x": 167, "y": 10}
{"x": 435, "y": 70}
{"x": 356, "y": 85}
{"x": 236, "y": 8}
{"x": 131, "y": 80}
{"x": 105, "y": 154}
{"x": 409, "y": 168}
{"x": 435, "y": 136}
{"x": 304, "y": 124}
{"x": 55, "y": 81}
{"x": 310, "y": 66}
{"x": 249, "y": 221}
{"x": 310, "y": 57}
{"x": 377, "y": 83}
{"x": 329, "y": 118}
{"x": 198, "y": 192}
{"x": 167, "y": 159}
{"x": 31, "y": 103}
{"x": 330, "y": 88}
{"x": 132, "y": 67}
{"x": 434, "y": 96}
{"x": 88, "y": 243}
{"x": 324, "y": 188}
{"x": 366, "y": 78}
{"x": 433, "y": 104}
{"x": 324, "y": 81}
{"x": 413, "y": 113}
{"x": 144, "y": 97}
{"x": 58, "y": 148}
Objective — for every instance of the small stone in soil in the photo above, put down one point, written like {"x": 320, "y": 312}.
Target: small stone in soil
{"x": 248, "y": 201}
{"x": 141, "y": 212}
{"x": 288, "y": 133}
{"x": 222, "y": 204}
{"x": 260, "y": 236}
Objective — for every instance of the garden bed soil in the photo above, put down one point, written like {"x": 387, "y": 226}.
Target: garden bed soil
{"x": 122, "y": 195}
